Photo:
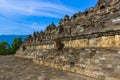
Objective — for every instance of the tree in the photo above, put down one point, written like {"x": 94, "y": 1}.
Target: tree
{"x": 4, "y": 47}
{"x": 15, "y": 45}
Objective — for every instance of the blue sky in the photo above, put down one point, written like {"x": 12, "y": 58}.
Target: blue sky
{"x": 21, "y": 17}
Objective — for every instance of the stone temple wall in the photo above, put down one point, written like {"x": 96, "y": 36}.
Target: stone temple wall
{"x": 104, "y": 41}
{"x": 91, "y": 43}
{"x": 99, "y": 63}
{"x": 95, "y": 57}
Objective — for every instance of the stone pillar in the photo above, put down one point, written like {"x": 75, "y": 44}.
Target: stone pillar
{"x": 105, "y": 41}
{"x": 117, "y": 40}
{"x": 99, "y": 42}
{"x": 111, "y": 41}
{"x": 92, "y": 42}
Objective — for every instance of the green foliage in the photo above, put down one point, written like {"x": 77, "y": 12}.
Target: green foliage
{"x": 5, "y": 49}
{"x": 16, "y": 44}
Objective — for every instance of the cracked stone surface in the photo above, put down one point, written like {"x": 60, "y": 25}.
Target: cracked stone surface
{"x": 15, "y": 68}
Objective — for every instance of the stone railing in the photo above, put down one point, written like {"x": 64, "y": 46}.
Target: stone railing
{"x": 104, "y": 41}
{"x": 101, "y": 39}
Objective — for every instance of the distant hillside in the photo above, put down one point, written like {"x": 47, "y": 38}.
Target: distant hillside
{"x": 10, "y": 38}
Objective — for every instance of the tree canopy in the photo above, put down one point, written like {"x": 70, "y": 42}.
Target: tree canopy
{"x": 6, "y": 49}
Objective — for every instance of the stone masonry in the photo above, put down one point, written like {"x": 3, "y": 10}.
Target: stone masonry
{"x": 91, "y": 42}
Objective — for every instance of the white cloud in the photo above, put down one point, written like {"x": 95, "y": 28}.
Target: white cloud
{"x": 34, "y": 7}
{"x": 16, "y": 12}
{"x": 36, "y": 27}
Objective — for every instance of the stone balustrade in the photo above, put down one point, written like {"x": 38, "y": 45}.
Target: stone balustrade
{"x": 104, "y": 41}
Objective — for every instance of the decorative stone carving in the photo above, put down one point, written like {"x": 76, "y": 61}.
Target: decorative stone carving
{"x": 79, "y": 29}
{"x": 59, "y": 44}
{"x": 66, "y": 18}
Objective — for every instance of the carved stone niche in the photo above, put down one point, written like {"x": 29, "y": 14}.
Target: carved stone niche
{"x": 101, "y": 2}
{"x": 47, "y": 37}
{"x": 51, "y": 28}
{"x": 74, "y": 17}
{"x": 98, "y": 3}
{"x": 47, "y": 29}
{"x": 66, "y": 18}
{"x": 28, "y": 40}
{"x": 51, "y": 38}
{"x": 102, "y": 7}
{"x": 79, "y": 29}
{"x": 73, "y": 29}
{"x": 23, "y": 48}
{"x": 36, "y": 41}
{"x": 41, "y": 38}
{"x": 77, "y": 16}
{"x": 61, "y": 22}
{"x": 60, "y": 29}
{"x": 86, "y": 13}
{"x": 67, "y": 30}
{"x": 91, "y": 13}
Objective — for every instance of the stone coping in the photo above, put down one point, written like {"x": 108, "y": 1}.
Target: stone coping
{"x": 82, "y": 36}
